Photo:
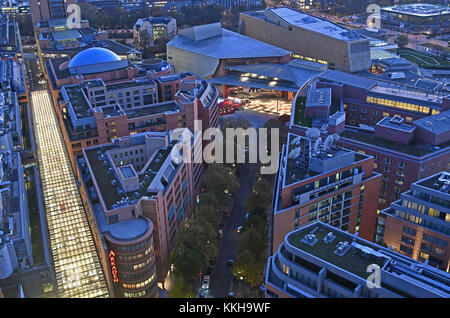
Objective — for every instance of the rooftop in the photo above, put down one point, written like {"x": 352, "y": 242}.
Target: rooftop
{"x": 306, "y": 21}
{"x": 224, "y": 44}
{"x": 80, "y": 104}
{"x": 171, "y": 106}
{"x": 309, "y": 157}
{"x": 419, "y": 9}
{"x": 439, "y": 123}
{"x": 354, "y": 260}
{"x": 439, "y": 181}
{"x": 405, "y": 93}
{"x": 396, "y": 123}
{"x": 92, "y": 56}
{"x": 111, "y": 190}
{"x": 129, "y": 229}
{"x": 347, "y": 79}
{"x": 414, "y": 149}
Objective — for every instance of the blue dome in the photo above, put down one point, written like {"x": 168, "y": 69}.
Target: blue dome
{"x": 94, "y": 55}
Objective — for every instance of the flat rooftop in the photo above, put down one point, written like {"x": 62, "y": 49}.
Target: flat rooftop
{"x": 396, "y": 123}
{"x": 80, "y": 104}
{"x": 355, "y": 263}
{"x": 419, "y": 9}
{"x": 303, "y": 163}
{"x": 437, "y": 182}
{"x": 129, "y": 229}
{"x": 227, "y": 45}
{"x": 153, "y": 109}
{"x": 405, "y": 93}
{"x": 415, "y": 149}
{"x": 347, "y": 79}
{"x": 439, "y": 123}
{"x": 312, "y": 23}
{"x": 129, "y": 84}
{"x": 109, "y": 185}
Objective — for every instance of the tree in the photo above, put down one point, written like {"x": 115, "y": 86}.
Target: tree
{"x": 251, "y": 256}
{"x": 402, "y": 41}
{"x": 261, "y": 196}
{"x": 220, "y": 181}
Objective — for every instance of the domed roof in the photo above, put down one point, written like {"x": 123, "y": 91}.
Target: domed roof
{"x": 94, "y": 55}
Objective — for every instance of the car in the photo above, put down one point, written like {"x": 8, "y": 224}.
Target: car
{"x": 202, "y": 294}
{"x": 230, "y": 262}
{"x": 226, "y": 213}
{"x": 239, "y": 229}
{"x": 220, "y": 233}
{"x": 205, "y": 283}
{"x": 230, "y": 295}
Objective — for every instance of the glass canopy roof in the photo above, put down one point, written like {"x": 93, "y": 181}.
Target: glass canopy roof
{"x": 76, "y": 262}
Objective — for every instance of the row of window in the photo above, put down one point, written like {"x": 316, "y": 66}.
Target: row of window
{"x": 401, "y": 105}
{"x": 140, "y": 285}
{"x": 135, "y": 257}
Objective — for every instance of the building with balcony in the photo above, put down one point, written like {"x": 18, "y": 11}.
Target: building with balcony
{"x": 418, "y": 225}
{"x": 308, "y": 37}
{"x": 321, "y": 181}
{"x": 138, "y": 194}
{"x": 320, "y": 261}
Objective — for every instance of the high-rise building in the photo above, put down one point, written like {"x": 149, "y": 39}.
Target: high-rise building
{"x": 322, "y": 261}
{"x": 321, "y": 181}
{"x": 418, "y": 225}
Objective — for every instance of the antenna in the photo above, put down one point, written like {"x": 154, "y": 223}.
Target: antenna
{"x": 328, "y": 142}
{"x": 312, "y": 133}
{"x": 317, "y": 144}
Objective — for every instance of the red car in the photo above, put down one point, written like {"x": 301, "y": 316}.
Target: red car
{"x": 226, "y": 213}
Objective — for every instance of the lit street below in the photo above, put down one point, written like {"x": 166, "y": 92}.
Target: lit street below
{"x": 76, "y": 262}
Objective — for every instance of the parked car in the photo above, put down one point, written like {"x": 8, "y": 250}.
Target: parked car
{"x": 226, "y": 213}
{"x": 230, "y": 262}
{"x": 230, "y": 295}
{"x": 202, "y": 294}
{"x": 239, "y": 229}
{"x": 220, "y": 233}
{"x": 205, "y": 284}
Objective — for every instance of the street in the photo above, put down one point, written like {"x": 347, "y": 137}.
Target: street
{"x": 222, "y": 276}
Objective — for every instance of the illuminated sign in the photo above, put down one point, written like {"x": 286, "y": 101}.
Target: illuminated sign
{"x": 112, "y": 261}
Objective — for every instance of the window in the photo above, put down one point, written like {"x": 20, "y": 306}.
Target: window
{"x": 408, "y": 240}
{"x": 409, "y": 231}
{"x": 405, "y": 249}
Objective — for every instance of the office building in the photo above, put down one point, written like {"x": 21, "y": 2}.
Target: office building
{"x": 321, "y": 181}
{"x": 406, "y": 131}
{"x": 320, "y": 261}
{"x": 138, "y": 194}
{"x": 418, "y": 225}
{"x": 206, "y": 49}
{"x": 417, "y": 17}
{"x": 15, "y": 8}
{"x": 308, "y": 37}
